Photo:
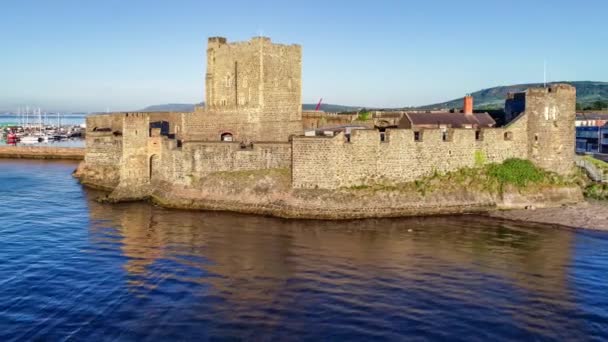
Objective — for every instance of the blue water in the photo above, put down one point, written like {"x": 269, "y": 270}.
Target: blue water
{"x": 51, "y": 119}
{"x": 74, "y": 269}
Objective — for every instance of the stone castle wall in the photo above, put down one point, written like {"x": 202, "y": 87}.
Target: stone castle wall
{"x": 253, "y": 89}
{"x": 253, "y": 94}
{"x": 209, "y": 126}
{"x": 315, "y": 119}
{"x": 551, "y": 133}
{"x": 139, "y": 155}
{"x": 334, "y": 162}
{"x": 544, "y": 133}
{"x": 103, "y": 143}
{"x": 195, "y": 160}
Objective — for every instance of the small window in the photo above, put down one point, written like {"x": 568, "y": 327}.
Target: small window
{"x": 508, "y": 136}
{"x": 478, "y": 135}
{"x": 228, "y": 81}
{"x": 226, "y": 137}
{"x": 536, "y": 137}
{"x": 417, "y": 136}
{"x": 446, "y": 136}
{"x": 383, "y": 134}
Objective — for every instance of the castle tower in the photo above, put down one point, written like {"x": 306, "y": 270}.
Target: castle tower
{"x": 257, "y": 86}
{"x": 551, "y": 134}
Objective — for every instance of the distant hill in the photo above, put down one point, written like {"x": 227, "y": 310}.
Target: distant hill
{"x": 169, "y": 107}
{"x": 587, "y": 92}
{"x": 331, "y": 108}
{"x": 186, "y": 107}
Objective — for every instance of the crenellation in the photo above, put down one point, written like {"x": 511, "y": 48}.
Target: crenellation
{"x": 252, "y": 120}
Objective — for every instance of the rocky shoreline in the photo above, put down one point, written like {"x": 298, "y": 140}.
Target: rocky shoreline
{"x": 585, "y": 215}
{"x": 269, "y": 193}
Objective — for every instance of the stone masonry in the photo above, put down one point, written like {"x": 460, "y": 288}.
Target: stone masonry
{"x": 253, "y": 121}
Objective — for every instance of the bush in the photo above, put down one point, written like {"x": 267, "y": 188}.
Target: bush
{"x": 364, "y": 116}
{"x": 517, "y": 172}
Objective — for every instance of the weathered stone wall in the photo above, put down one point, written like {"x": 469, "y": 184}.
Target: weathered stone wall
{"x": 242, "y": 124}
{"x": 135, "y": 154}
{"x": 320, "y": 162}
{"x": 314, "y": 119}
{"x": 96, "y": 122}
{"x": 195, "y": 160}
{"x": 103, "y": 150}
{"x": 253, "y": 91}
{"x": 551, "y": 115}
{"x": 544, "y": 133}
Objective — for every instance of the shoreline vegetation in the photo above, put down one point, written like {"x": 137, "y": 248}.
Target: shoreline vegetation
{"x": 512, "y": 180}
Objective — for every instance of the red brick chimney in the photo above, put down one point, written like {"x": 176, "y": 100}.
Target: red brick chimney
{"x": 467, "y": 107}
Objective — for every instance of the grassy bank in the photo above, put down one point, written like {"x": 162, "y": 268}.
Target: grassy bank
{"x": 598, "y": 191}
{"x": 521, "y": 175}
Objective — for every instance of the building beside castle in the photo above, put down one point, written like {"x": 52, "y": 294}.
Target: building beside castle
{"x": 252, "y": 120}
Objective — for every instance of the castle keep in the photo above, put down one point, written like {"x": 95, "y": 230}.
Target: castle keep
{"x": 252, "y": 120}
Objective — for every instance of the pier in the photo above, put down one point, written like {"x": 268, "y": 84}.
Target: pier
{"x": 39, "y": 152}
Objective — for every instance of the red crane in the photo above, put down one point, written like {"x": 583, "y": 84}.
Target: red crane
{"x": 319, "y": 105}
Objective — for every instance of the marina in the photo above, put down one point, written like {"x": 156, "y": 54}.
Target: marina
{"x": 34, "y": 127}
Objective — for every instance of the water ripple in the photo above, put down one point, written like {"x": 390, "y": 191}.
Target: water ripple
{"x": 74, "y": 269}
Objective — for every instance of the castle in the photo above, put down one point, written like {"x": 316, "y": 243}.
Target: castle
{"x": 252, "y": 120}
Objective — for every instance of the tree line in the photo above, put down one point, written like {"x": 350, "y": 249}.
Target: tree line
{"x": 596, "y": 105}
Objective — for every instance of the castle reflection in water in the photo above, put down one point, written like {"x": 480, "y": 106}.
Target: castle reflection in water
{"x": 254, "y": 263}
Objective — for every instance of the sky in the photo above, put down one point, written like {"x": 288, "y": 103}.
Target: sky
{"x": 100, "y": 55}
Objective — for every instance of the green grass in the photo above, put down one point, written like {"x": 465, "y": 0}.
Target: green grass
{"x": 520, "y": 174}
{"x": 364, "y": 116}
{"x": 516, "y": 172}
{"x": 600, "y": 164}
{"x": 597, "y": 191}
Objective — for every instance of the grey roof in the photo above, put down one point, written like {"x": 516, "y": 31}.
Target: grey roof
{"x": 455, "y": 120}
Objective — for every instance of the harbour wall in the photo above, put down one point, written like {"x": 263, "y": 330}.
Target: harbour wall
{"x": 38, "y": 152}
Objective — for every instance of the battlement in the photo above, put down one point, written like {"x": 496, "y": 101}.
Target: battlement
{"x": 217, "y": 40}
{"x": 558, "y": 88}
{"x": 253, "y": 120}
{"x": 134, "y": 116}
{"x": 220, "y": 42}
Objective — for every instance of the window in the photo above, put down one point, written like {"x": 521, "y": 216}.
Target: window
{"x": 536, "y": 137}
{"x": 226, "y": 136}
{"x": 478, "y": 135}
{"x": 417, "y": 136}
{"x": 446, "y": 136}
{"x": 508, "y": 136}
{"x": 228, "y": 81}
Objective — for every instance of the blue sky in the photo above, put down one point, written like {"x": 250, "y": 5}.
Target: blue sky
{"x": 125, "y": 55}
